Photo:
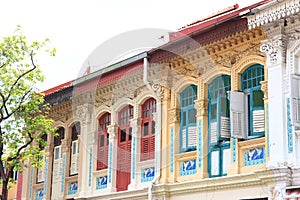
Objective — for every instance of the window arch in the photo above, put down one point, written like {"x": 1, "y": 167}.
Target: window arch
{"x": 188, "y": 119}
{"x": 148, "y": 130}
{"x": 103, "y": 141}
{"x": 74, "y": 155}
{"x": 250, "y": 80}
{"x": 218, "y": 126}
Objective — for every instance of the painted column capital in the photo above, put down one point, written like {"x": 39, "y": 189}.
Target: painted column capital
{"x": 201, "y": 106}
{"x": 174, "y": 115}
{"x": 275, "y": 49}
{"x": 112, "y": 131}
{"x": 83, "y": 112}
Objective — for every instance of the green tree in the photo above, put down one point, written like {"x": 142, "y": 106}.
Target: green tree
{"x": 23, "y": 111}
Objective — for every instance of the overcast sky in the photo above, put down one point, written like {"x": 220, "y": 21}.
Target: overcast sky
{"x": 76, "y": 28}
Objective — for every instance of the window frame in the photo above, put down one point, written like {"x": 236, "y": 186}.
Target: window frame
{"x": 255, "y": 86}
{"x": 217, "y": 91}
{"x": 148, "y": 108}
{"x": 102, "y": 150}
{"x": 187, "y": 104}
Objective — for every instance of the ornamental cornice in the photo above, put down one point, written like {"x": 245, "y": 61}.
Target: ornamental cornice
{"x": 224, "y": 53}
{"x": 275, "y": 12}
{"x": 256, "y": 178}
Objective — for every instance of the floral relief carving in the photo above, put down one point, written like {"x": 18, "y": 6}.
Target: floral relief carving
{"x": 174, "y": 115}
{"x": 201, "y": 107}
{"x": 83, "y": 112}
{"x": 275, "y": 50}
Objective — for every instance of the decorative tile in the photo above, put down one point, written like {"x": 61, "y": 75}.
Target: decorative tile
{"x": 289, "y": 127}
{"x": 31, "y": 180}
{"x": 110, "y": 162}
{"x": 133, "y": 157}
{"x": 101, "y": 182}
{"x": 233, "y": 150}
{"x": 39, "y": 194}
{"x": 72, "y": 187}
{"x": 254, "y": 156}
{"x": 188, "y": 167}
{"x": 63, "y": 174}
{"x": 90, "y": 166}
{"x": 172, "y": 150}
{"x": 147, "y": 174}
{"x": 46, "y": 176}
{"x": 200, "y": 144}
{"x": 267, "y": 131}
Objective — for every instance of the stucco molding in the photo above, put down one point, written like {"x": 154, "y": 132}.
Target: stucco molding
{"x": 278, "y": 11}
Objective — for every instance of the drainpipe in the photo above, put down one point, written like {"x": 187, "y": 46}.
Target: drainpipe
{"x": 158, "y": 131}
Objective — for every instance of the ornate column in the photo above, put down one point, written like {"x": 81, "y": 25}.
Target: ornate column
{"x": 112, "y": 157}
{"x": 65, "y": 145}
{"x": 276, "y": 137}
{"x": 201, "y": 106}
{"x": 48, "y": 169}
{"x": 174, "y": 127}
{"x": 83, "y": 112}
{"x": 135, "y": 151}
{"x": 162, "y": 153}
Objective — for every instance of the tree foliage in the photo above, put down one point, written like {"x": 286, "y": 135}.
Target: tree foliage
{"x": 23, "y": 112}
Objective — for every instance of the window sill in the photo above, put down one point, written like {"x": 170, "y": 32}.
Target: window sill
{"x": 186, "y": 155}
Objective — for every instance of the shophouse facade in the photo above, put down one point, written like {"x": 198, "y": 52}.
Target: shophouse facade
{"x": 212, "y": 114}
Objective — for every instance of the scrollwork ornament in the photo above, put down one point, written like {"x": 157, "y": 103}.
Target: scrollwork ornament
{"x": 273, "y": 50}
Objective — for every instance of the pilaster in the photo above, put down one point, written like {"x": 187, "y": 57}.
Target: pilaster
{"x": 112, "y": 157}
{"x": 275, "y": 49}
{"x": 201, "y": 106}
{"x": 135, "y": 151}
{"x": 83, "y": 112}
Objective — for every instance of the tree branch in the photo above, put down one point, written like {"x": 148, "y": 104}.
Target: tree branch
{"x": 15, "y": 110}
{"x": 2, "y": 173}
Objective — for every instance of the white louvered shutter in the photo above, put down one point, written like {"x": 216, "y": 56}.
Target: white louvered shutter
{"x": 183, "y": 139}
{"x": 192, "y": 136}
{"x": 41, "y": 172}
{"x": 258, "y": 121}
{"x": 238, "y": 114}
{"x": 74, "y": 158}
{"x": 213, "y": 132}
{"x": 295, "y": 100}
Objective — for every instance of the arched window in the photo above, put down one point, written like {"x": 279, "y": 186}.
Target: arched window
{"x": 188, "y": 119}
{"x": 247, "y": 107}
{"x": 74, "y": 149}
{"x": 218, "y": 126}
{"x": 124, "y": 148}
{"x": 57, "y": 163}
{"x": 103, "y": 141}
{"x": 251, "y": 85}
{"x": 57, "y": 143}
{"x": 148, "y": 130}
{"x": 41, "y": 171}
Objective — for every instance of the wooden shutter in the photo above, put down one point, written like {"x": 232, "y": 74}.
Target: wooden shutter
{"x": 258, "y": 121}
{"x": 238, "y": 114}
{"x": 213, "y": 132}
{"x": 224, "y": 120}
{"x": 74, "y": 158}
{"x": 183, "y": 138}
{"x": 41, "y": 172}
{"x": 192, "y": 136}
{"x": 295, "y": 99}
{"x": 145, "y": 148}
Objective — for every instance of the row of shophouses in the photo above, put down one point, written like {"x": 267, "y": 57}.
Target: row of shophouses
{"x": 212, "y": 114}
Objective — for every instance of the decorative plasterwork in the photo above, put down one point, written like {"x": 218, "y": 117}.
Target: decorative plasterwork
{"x": 201, "y": 106}
{"x": 241, "y": 66}
{"x": 275, "y": 50}
{"x": 173, "y": 115}
{"x": 275, "y": 12}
